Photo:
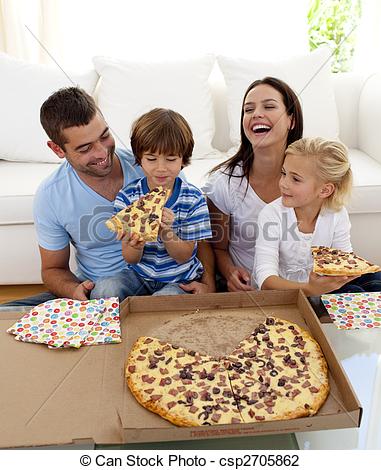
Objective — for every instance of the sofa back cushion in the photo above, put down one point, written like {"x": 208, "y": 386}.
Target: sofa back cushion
{"x": 129, "y": 89}
{"x": 308, "y": 75}
{"x": 24, "y": 87}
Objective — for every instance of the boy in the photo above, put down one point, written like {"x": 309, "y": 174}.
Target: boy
{"x": 162, "y": 143}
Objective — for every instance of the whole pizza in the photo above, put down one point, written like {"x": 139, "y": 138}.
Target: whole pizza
{"x": 277, "y": 372}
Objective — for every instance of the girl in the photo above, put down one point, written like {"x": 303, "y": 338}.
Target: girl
{"x": 316, "y": 180}
{"x": 237, "y": 190}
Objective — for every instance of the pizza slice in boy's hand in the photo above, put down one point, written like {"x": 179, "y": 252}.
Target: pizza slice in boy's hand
{"x": 142, "y": 217}
{"x": 334, "y": 262}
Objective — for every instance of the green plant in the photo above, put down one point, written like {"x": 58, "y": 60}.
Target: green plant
{"x": 334, "y": 23}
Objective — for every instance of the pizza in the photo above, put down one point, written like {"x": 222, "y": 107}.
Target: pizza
{"x": 277, "y": 372}
{"x": 334, "y": 262}
{"x": 142, "y": 217}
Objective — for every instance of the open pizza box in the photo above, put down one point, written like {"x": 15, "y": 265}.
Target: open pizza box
{"x": 79, "y": 397}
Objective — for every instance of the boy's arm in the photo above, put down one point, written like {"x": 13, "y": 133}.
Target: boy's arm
{"x": 180, "y": 250}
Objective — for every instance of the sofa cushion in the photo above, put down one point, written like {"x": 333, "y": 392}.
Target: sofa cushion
{"x": 19, "y": 182}
{"x": 309, "y": 76}
{"x": 24, "y": 87}
{"x": 129, "y": 89}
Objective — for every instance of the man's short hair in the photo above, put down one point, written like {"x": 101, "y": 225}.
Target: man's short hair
{"x": 67, "y": 107}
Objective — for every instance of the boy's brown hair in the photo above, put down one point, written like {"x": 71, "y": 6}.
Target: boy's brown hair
{"x": 163, "y": 131}
{"x": 67, "y": 107}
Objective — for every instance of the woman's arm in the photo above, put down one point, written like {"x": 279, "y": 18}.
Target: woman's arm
{"x": 237, "y": 278}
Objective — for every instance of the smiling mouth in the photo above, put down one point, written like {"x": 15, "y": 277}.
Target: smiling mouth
{"x": 261, "y": 129}
{"x": 101, "y": 162}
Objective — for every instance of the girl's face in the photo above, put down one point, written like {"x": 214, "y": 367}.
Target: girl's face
{"x": 299, "y": 185}
{"x": 265, "y": 119}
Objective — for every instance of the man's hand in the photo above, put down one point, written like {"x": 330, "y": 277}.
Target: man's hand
{"x": 318, "y": 284}
{"x": 195, "y": 287}
{"x": 238, "y": 280}
{"x": 82, "y": 291}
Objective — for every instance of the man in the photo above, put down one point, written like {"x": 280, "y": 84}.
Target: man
{"x": 72, "y": 204}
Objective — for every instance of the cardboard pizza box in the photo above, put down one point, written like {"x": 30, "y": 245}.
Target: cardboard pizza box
{"x": 341, "y": 409}
{"x": 73, "y": 397}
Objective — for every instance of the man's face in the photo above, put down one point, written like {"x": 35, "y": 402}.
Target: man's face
{"x": 90, "y": 149}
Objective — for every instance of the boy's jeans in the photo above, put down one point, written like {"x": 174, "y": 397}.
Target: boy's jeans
{"x": 128, "y": 283}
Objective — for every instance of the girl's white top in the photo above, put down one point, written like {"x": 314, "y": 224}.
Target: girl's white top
{"x": 282, "y": 250}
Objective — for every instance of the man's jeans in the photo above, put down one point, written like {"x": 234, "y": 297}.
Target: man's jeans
{"x": 127, "y": 283}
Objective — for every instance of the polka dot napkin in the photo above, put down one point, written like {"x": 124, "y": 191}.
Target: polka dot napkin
{"x": 62, "y": 323}
{"x": 354, "y": 311}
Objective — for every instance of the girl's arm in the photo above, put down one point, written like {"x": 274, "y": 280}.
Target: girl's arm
{"x": 316, "y": 285}
{"x": 238, "y": 279}
{"x": 342, "y": 231}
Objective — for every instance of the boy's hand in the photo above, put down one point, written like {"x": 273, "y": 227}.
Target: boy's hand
{"x": 167, "y": 218}
{"x": 133, "y": 240}
{"x": 318, "y": 285}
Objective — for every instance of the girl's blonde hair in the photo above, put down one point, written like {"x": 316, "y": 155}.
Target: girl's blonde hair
{"x": 332, "y": 166}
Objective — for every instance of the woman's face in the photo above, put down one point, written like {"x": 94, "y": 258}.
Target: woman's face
{"x": 265, "y": 119}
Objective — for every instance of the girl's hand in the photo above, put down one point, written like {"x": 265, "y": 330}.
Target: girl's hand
{"x": 238, "y": 280}
{"x": 167, "y": 218}
{"x": 133, "y": 240}
{"x": 318, "y": 284}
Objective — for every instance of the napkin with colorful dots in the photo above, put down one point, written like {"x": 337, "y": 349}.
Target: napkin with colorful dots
{"x": 63, "y": 323}
{"x": 355, "y": 310}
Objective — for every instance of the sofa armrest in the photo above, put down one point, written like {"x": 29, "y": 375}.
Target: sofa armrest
{"x": 347, "y": 87}
{"x": 369, "y": 117}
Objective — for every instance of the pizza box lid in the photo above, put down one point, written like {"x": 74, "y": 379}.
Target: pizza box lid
{"x": 79, "y": 397}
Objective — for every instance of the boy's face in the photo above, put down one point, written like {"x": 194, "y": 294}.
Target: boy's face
{"x": 161, "y": 170}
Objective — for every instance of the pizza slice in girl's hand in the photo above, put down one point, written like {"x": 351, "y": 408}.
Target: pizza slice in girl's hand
{"x": 142, "y": 217}
{"x": 334, "y": 262}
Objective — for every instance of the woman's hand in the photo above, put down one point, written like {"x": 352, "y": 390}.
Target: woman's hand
{"x": 238, "y": 280}
{"x": 318, "y": 284}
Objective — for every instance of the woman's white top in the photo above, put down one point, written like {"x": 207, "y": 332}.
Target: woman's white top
{"x": 237, "y": 199}
{"x": 282, "y": 250}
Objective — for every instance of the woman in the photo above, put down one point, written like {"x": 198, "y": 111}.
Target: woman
{"x": 238, "y": 189}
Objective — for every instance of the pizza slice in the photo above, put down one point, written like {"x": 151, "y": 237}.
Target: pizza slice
{"x": 184, "y": 387}
{"x": 278, "y": 372}
{"x": 142, "y": 217}
{"x": 334, "y": 262}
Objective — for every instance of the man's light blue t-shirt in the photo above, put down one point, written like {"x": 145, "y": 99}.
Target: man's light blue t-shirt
{"x": 66, "y": 210}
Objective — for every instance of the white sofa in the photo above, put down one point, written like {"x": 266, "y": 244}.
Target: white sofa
{"x": 358, "y": 103}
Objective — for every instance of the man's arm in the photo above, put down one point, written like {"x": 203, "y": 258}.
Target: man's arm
{"x": 58, "y": 278}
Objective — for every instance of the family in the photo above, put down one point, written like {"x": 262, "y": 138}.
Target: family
{"x": 250, "y": 227}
